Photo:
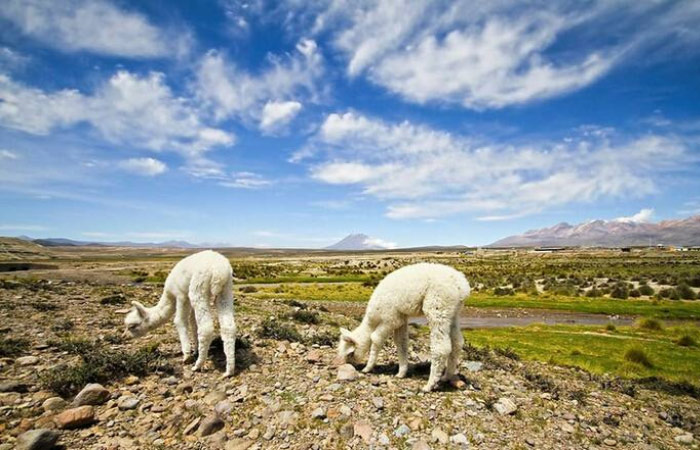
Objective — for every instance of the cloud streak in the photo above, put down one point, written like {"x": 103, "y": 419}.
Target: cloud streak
{"x": 421, "y": 172}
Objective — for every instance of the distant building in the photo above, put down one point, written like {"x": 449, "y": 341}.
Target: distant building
{"x": 549, "y": 249}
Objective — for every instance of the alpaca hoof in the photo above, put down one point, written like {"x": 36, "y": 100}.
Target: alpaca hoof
{"x": 187, "y": 359}
{"x": 427, "y": 388}
{"x": 367, "y": 370}
{"x": 197, "y": 368}
{"x": 401, "y": 375}
{"x": 227, "y": 374}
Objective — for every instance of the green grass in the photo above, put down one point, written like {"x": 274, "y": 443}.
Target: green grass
{"x": 356, "y": 292}
{"x": 598, "y": 350}
{"x": 651, "y": 308}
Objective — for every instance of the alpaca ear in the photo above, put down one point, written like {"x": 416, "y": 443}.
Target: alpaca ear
{"x": 140, "y": 309}
{"x": 347, "y": 336}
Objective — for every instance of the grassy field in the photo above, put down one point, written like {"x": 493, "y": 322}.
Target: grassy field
{"x": 671, "y": 353}
{"x": 357, "y": 292}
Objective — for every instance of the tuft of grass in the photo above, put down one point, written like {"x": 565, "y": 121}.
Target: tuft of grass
{"x": 12, "y": 346}
{"x": 43, "y": 306}
{"x": 610, "y": 327}
{"x": 637, "y": 355}
{"x": 508, "y": 352}
{"x": 99, "y": 364}
{"x": 324, "y": 338}
{"x": 686, "y": 341}
{"x": 650, "y": 324}
{"x": 306, "y": 316}
{"x": 63, "y": 325}
{"x": 116, "y": 299}
{"x": 273, "y": 329}
{"x": 249, "y": 289}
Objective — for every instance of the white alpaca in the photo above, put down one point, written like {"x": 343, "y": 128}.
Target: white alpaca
{"x": 195, "y": 284}
{"x": 431, "y": 290}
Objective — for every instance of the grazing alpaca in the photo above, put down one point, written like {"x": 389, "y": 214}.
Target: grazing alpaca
{"x": 195, "y": 284}
{"x": 431, "y": 290}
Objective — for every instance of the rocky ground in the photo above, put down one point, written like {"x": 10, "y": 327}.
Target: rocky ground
{"x": 293, "y": 395}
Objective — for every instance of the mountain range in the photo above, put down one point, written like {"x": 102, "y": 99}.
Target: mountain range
{"x": 610, "y": 233}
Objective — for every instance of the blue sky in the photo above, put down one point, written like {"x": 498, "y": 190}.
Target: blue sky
{"x": 294, "y": 123}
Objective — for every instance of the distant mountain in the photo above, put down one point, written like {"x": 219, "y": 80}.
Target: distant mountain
{"x": 62, "y": 242}
{"x": 610, "y": 233}
{"x": 361, "y": 242}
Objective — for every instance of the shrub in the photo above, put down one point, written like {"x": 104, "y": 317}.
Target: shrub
{"x": 306, "y": 316}
{"x": 634, "y": 293}
{"x": 637, "y": 355}
{"x": 611, "y": 327}
{"x": 650, "y": 324}
{"x": 43, "y": 306}
{"x": 619, "y": 291}
{"x": 594, "y": 292}
{"x": 249, "y": 289}
{"x": 503, "y": 291}
{"x": 64, "y": 325}
{"x": 686, "y": 341}
{"x": 296, "y": 304}
{"x": 100, "y": 364}
{"x": 507, "y": 352}
{"x": 12, "y": 346}
{"x": 685, "y": 292}
{"x": 273, "y": 329}
{"x": 115, "y": 299}
{"x": 645, "y": 289}
{"x": 324, "y": 338}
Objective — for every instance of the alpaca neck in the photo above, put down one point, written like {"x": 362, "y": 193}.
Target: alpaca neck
{"x": 162, "y": 312}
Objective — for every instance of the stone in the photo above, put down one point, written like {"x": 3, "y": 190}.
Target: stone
{"x": 567, "y": 428}
{"x": 210, "y": 425}
{"x": 318, "y": 413}
{"x": 529, "y": 441}
{"x": 254, "y": 434}
{"x": 313, "y": 356}
{"x": 41, "y": 439}
{"x": 27, "y": 360}
{"x": 364, "y": 430}
{"x": 610, "y": 442}
{"x": 75, "y": 417}
{"x": 402, "y": 430}
{"x": 346, "y": 372}
{"x": 238, "y": 444}
{"x": 92, "y": 394}
{"x": 13, "y": 386}
{"x": 127, "y": 402}
{"x": 287, "y": 418}
{"x": 459, "y": 439}
{"x": 421, "y": 445}
{"x": 54, "y": 404}
{"x": 505, "y": 406}
{"x": 473, "y": 366}
{"x": 378, "y": 402}
{"x": 269, "y": 433}
{"x": 439, "y": 436}
{"x": 416, "y": 423}
{"x": 686, "y": 439}
{"x": 215, "y": 397}
{"x": 224, "y": 407}
{"x": 131, "y": 380}
{"x": 192, "y": 426}
{"x": 384, "y": 439}
{"x": 347, "y": 431}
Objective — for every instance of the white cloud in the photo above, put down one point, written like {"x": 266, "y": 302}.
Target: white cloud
{"x": 376, "y": 242}
{"x": 496, "y": 53}
{"x": 96, "y": 26}
{"x": 278, "y": 114}
{"x": 128, "y": 109}
{"x": 426, "y": 173}
{"x": 245, "y": 180}
{"x": 144, "y": 166}
{"x": 7, "y": 154}
{"x": 643, "y": 216}
{"x": 232, "y": 92}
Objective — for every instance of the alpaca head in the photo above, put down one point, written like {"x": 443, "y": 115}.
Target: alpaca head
{"x": 353, "y": 346}
{"x": 137, "y": 321}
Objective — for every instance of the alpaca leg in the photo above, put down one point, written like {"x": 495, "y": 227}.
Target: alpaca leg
{"x": 227, "y": 325}
{"x": 181, "y": 321}
{"x": 378, "y": 337}
{"x": 440, "y": 348}
{"x": 205, "y": 327}
{"x": 192, "y": 328}
{"x": 457, "y": 340}
{"x": 401, "y": 340}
